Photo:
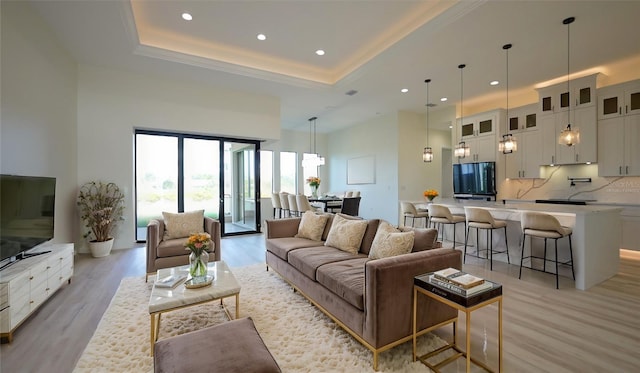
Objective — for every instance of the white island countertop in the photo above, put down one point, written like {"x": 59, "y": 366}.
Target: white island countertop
{"x": 596, "y": 232}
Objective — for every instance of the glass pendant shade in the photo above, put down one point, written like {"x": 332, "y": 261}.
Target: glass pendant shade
{"x": 569, "y": 137}
{"x": 314, "y": 159}
{"x": 508, "y": 144}
{"x": 427, "y": 155}
{"x": 462, "y": 150}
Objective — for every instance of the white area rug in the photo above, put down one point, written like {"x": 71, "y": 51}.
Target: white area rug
{"x": 300, "y": 337}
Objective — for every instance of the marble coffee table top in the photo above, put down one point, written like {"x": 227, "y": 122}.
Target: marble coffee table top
{"x": 165, "y": 299}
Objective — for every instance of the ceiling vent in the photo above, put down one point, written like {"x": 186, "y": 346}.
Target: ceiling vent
{"x": 351, "y": 92}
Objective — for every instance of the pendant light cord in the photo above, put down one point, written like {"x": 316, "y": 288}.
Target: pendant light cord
{"x": 568, "y": 22}
{"x": 461, "y": 95}
{"x": 427, "y": 81}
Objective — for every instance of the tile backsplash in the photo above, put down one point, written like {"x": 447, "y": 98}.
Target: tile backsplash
{"x": 555, "y": 183}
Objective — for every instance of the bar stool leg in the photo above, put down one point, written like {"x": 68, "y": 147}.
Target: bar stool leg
{"x": 466, "y": 238}
{"x": 490, "y": 233}
{"x": 506, "y": 244}
{"x": 571, "y": 254}
{"x": 524, "y": 237}
{"x": 557, "y": 281}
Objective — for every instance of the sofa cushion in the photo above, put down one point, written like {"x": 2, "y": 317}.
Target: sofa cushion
{"x": 182, "y": 224}
{"x": 171, "y": 247}
{"x": 345, "y": 279}
{"x": 425, "y": 238}
{"x": 282, "y": 246}
{"x": 312, "y": 226}
{"x": 390, "y": 241}
{"x": 369, "y": 233}
{"x": 309, "y": 259}
{"x": 346, "y": 234}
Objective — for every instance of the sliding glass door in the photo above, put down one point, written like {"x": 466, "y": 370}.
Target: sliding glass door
{"x": 182, "y": 172}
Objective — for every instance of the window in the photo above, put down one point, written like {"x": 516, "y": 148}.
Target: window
{"x": 266, "y": 173}
{"x": 288, "y": 172}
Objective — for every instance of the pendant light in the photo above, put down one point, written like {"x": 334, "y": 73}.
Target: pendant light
{"x": 508, "y": 144}
{"x": 568, "y": 136}
{"x": 427, "y": 154}
{"x": 314, "y": 159}
{"x": 461, "y": 150}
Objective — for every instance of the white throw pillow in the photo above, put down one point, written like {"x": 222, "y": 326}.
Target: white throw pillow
{"x": 182, "y": 224}
{"x": 346, "y": 235}
{"x": 311, "y": 226}
{"x": 390, "y": 241}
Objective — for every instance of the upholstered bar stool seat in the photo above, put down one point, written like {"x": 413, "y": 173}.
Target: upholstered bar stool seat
{"x": 480, "y": 218}
{"x": 545, "y": 226}
{"x": 439, "y": 214}
{"x": 231, "y": 347}
{"x": 284, "y": 204}
{"x": 293, "y": 205}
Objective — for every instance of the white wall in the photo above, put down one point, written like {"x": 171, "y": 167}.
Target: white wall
{"x": 112, "y": 103}
{"x": 377, "y": 137}
{"x": 38, "y": 131}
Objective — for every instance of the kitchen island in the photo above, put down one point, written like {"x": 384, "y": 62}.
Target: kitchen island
{"x": 596, "y": 235}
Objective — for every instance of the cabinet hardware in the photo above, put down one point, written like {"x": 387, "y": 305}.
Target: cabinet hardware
{"x": 522, "y": 173}
{"x": 576, "y": 158}
{"x": 553, "y": 159}
{"x": 627, "y": 170}
{"x": 48, "y": 289}
{"x": 626, "y": 109}
{"x": 31, "y": 302}
{"x": 620, "y": 110}
{"x": 48, "y": 267}
{"x": 31, "y": 278}
{"x": 620, "y": 170}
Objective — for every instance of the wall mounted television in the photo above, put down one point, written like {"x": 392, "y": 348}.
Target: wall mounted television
{"x": 474, "y": 178}
{"x": 27, "y": 210}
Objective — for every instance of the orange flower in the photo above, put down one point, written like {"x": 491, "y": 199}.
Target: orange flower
{"x": 431, "y": 193}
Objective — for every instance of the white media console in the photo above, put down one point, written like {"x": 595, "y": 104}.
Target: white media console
{"x": 25, "y": 285}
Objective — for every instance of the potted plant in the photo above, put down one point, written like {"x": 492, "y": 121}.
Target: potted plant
{"x": 101, "y": 207}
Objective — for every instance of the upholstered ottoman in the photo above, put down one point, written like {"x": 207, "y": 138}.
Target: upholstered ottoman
{"x": 231, "y": 347}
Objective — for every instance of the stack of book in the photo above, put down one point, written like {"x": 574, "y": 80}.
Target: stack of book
{"x": 459, "y": 282}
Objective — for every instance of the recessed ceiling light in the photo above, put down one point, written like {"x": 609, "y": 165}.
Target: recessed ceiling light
{"x": 404, "y": 90}
{"x": 187, "y": 17}
{"x": 262, "y": 37}
{"x": 494, "y": 82}
{"x": 320, "y": 52}
{"x": 443, "y": 99}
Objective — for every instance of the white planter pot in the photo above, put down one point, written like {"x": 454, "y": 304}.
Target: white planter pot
{"x": 100, "y": 249}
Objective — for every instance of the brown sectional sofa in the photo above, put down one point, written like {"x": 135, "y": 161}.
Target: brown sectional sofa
{"x": 371, "y": 299}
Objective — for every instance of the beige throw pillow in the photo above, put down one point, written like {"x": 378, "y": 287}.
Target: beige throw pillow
{"x": 390, "y": 241}
{"x": 311, "y": 226}
{"x": 182, "y": 224}
{"x": 346, "y": 235}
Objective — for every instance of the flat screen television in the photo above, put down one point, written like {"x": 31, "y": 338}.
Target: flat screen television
{"x": 474, "y": 178}
{"x": 27, "y": 206}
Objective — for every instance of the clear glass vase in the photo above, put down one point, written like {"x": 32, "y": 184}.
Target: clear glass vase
{"x": 198, "y": 264}
{"x": 314, "y": 191}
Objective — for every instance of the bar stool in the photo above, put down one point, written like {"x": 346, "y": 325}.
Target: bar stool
{"x": 439, "y": 214}
{"x": 277, "y": 206}
{"x": 409, "y": 211}
{"x": 293, "y": 205}
{"x": 479, "y": 218}
{"x": 540, "y": 225}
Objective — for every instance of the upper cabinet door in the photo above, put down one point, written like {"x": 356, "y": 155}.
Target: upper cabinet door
{"x": 632, "y": 98}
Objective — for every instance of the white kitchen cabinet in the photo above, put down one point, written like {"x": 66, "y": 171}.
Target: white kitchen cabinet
{"x": 478, "y": 132}
{"x": 580, "y": 111}
{"x": 525, "y": 162}
{"x": 619, "y": 100}
{"x": 618, "y": 140}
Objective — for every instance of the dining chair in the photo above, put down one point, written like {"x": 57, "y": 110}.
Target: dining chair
{"x": 284, "y": 202}
{"x": 350, "y": 206}
{"x": 293, "y": 205}
{"x": 277, "y": 206}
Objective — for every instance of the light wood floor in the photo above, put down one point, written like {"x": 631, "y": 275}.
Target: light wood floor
{"x": 545, "y": 330}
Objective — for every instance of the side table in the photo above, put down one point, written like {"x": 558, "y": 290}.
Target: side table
{"x": 422, "y": 285}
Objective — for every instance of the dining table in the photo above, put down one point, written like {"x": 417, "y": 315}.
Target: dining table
{"x": 328, "y": 202}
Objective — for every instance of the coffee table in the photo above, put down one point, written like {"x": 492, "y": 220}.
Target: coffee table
{"x": 164, "y": 300}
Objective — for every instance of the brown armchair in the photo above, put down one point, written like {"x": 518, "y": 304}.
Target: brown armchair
{"x": 171, "y": 253}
